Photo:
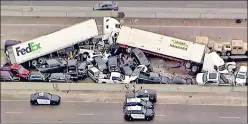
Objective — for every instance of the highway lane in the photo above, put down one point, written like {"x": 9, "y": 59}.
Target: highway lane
{"x": 154, "y": 4}
{"x": 28, "y": 28}
{"x": 80, "y": 112}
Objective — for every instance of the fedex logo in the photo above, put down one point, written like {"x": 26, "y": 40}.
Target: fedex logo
{"x": 30, "y": 48}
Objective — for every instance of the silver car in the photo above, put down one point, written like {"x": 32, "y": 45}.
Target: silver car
{"x": 106, "y": 5}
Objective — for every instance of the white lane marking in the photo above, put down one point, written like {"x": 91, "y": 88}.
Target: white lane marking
{"x": 122, "y": 102}
{"x": 13, "y": 112}
{"x": 230, "y": 117}
{"x": 151, "y": 26}
{"x": 85, "y": 114}
{"x": 161, "y": 115}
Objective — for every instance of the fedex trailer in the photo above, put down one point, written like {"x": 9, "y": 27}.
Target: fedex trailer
{"x": 37, "y": 49}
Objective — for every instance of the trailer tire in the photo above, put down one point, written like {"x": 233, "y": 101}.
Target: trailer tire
{"x": 34, "y": 63}
{"x": 194, "y": 69}
{"x": 41, "y": 60}
{"x": 246, "y": 53}
{"x": 228, "y": 53}
{"x": 188, "y": 65}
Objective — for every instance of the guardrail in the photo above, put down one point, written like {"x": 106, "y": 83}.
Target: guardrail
{"x": 116, "y": 87}
{"x": 138, "y": 12}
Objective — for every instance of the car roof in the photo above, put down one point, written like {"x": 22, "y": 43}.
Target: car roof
{"x": 147, "y": 91}
{"x": 57, "y": 74}
{"x": 82, "y": 65}
{"x": 112, "y": 59}
{"x": 52, "y": 61}
{"x": 153, "y": 74}
{"x": 72, "y": 62}
{"x": 127, "y": 70}
{"x": 212, "y": 75}
{"x": 94, "y": 69}
{"x": 130, "y": 108}
{"x": 5, "y": 73}
{"x": 106, "y": 2}
{"x": 35, "y": 73}
{"x": 133, "y": 100}
{"x": 243, "y": 69}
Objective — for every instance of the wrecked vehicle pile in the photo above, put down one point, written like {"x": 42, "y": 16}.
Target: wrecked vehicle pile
{"x": 120, "y": 55}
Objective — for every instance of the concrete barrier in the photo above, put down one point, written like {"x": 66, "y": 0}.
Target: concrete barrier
{"x": 45, "y": 13}
{"x": 116, "y": 87}
{"x": 93, "y": 14}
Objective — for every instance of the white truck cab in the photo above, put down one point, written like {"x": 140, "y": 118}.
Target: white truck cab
{"x": 214, "y": 63}
{"x": 114, "y": 77}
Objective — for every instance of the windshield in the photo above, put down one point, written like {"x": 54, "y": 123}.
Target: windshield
{"x": 142, "y": 102}
{"x": 204, "y": 77}
{"x": 122, "y": 77}
{"x": 143, "y": 110}
{"x": 21, "y": 69}
{"x": 222, "y": 68}
{"x": 241, "y": 76}
{"x": 49, "y": 96}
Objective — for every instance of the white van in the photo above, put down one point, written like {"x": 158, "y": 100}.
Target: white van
{"x": 93, "y": 73}
{"x": 241, "y": 77}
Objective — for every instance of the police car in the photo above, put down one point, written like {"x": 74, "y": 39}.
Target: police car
{"x": 145, "y": 94}
{"x": 138, "y": 113}
{"x": 139, "y": 102}
{"x": 43, "y": 98}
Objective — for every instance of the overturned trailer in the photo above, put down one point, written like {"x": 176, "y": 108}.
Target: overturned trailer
{"x": 37, "y": 50}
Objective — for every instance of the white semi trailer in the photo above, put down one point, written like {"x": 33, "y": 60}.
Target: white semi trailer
{"x": 192, "y": 54}
{"x": 36, "y": 49}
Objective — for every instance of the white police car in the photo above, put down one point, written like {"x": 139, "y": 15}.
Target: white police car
{"x": 44, "y": 98}
{"x": 139, "y": 102}
{"x": 138, "y": 113}
{"x": 145, "y": 94}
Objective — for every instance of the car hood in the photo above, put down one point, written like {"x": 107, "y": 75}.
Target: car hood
{"x": 199, "y": 77}
{"x": 240, "y": 81}
{"x": 149, "y": 104}
{"x": 150, "y": 111}
{"x": 55, "y": 97}
{"x": 25, "y": 71}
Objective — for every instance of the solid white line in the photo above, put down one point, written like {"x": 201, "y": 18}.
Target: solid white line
{"x": 84, "y": 114}
{"x": 13, "y": 112}
{"x": 151, "y": 26}
{"x": 230, "y": 117}
{"x": 161, "y": 115}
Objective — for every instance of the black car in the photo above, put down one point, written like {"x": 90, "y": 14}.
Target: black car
{"x": 44, "y": 98}
{"x": 82, "y": 70}
{"x": 113, "y": 64}
{"x": 139, "y": 102}
{"x": 126, "y": 70}
{"x": 37, "y": 76}
{"x": 138, "y": 113}
{"x": 52, "y": 66}
{"x": 141, "y": 58}
{"x": 149, "y": 78}
{"x": 72, "y": 69}
{"x": 145, "y": 94}
{"x": 59, "y": 77}
{"x": 8, "y": 76}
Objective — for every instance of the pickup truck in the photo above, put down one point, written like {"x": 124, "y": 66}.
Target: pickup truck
{"x": 114, "y": 77}
{"x": 151, "y": 78}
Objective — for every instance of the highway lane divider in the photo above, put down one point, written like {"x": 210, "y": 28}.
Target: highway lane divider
{"x": 115, "y": 87}
{"x": 130, "y": 12}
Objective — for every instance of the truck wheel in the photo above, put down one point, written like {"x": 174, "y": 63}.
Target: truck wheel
{"x": 41, "y": 60}
{"x": 104, "y": 82}
{"x": 219, "y": 53}
{"x": 246, "y": 53}
{"x": 34, "y": 62}
{"x": 228, "y": 53}
{"x": 188, "y": 65}
{"x": 194, "y": 69}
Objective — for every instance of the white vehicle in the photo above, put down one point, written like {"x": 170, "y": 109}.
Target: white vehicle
{"x": 241, "y": 77}
{"x": 114, "y": 77}
{"x": 93, "y": 72}
{"x": 208, "y": 78}
{"x": 214, "y": 63}
{"x": 36, "y": 49}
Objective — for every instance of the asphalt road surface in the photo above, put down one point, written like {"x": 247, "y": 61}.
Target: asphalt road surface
{"x": 157, "y": 4}
{"x": 26, "y": 28}
{"x": 81, "y": 112}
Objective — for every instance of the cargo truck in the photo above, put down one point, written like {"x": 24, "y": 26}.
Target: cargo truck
{"x": 190, "y": 53}
{"x": 37, "y": 50}
{"x": 235, "y": 50}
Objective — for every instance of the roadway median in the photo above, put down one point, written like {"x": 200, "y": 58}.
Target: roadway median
{"x": 116, "y": 87}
